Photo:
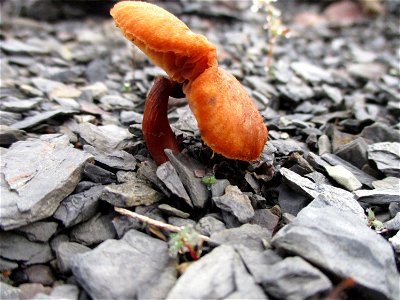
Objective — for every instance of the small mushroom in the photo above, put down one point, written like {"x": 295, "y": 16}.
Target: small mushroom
{"x": 229, "y": 122}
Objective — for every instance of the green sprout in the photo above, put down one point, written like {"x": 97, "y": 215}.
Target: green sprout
{"x": 273, "y": 24}
{"x": 126, "y": 87}
{"x": 186, "y": 240}
{"x": 209, "y": 180}
{"x": 373, "y": 222}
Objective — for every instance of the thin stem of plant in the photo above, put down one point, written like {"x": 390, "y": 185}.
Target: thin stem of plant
{"x": 153, "y": 222}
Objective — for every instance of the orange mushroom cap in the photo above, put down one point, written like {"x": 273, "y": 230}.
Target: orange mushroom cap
{"x": 165, "y": 39}
{"x": 229, "y": 122}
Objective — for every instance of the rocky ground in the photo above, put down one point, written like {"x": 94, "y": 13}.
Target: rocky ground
{"x": 317, "y": 216}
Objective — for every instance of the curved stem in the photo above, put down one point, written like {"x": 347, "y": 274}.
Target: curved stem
{"x": 155, "y": 126}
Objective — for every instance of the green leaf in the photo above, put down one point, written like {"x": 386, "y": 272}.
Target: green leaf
{"x": 209, "y": 180}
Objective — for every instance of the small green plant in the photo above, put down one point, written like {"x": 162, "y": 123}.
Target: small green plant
{"x": 126, "y": 87}
{"x": 186, "y": 240}
{"x": 209, "y": 180}
{"x": 273, "y": 25}
{"x": 373, "y": 222}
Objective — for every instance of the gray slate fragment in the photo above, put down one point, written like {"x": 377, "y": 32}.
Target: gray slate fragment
{"x": 42, "y": 274}
{"x": 148, "y": 170}
{"x": 333, "y": 93}
{"x": 65, "y": 253}
{"x": 116, "y": 263}
{"x": 168, "y": 175}
{"x": 286, "y": 147}
{"x": 14, "y": 46}
{"x": 220, "y": 274}
{"x": 294, "y": 278}
{"x": 378, "y": 196}
{"x": 10, "y": 135}
{"x": 379, "y": 132}
{"x": 354, "y": 152}
{"x": 39, "y": 231}
{"x": 96, "y": 230}
{"x": 291, "y": 201}
{"x": 120, "y": 160}
{"x": 64, "y": 291}
{"x": 185, "y": 166}
{"x": 79, "y": 207}
{"x": 41, "y": 117}
{"x": 172, "y": 211}
{"x": 296, "y": 92}
{"x": 97, "y": 174}
{"x": 311, "y": 73}
{"x": 338, "y": 197}
{"x": 249, "y": 235}
{"x": 19, "y": 105}
{"x": 17, "y": 248}
{"x": 208, "y": 225}
{"x": 218, "y": 189}
{"x": 393, "y": 224}
{"x": 236, "y": 202}
{"x": 107, "y": 138}
{"x": 131, "y": 193}
{"x": 115, "y": 102}
{"x": 344, "y": 177}
{"x": 36, "y": 175}
{"x": 335, "y": 160}
{"x": 265, "y": 218}
{"x": 386, "y": 155}
{"x": 6, "y": 265}
{"x": 336, "y": 241}
{"x": 388, "y": 183}
{"x": 8, "y": 292}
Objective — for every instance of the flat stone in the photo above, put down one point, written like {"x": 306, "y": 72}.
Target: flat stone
{"x": 354, "y": 152}
{"x": 318, "y": 232}
{"x": 94, "y": 231}
{"x": 265, "y": 218}
{"x": 377, "y": 196}
{"x": 40, "y": 274}
{"x": 97, "y": 89}
{"x": 169, "y": 176}
{"x": 249, "y": 235}
{"x": 131, "y": 117}
{"x": 31, "y": 290}
{"x": 96, "y": 71}
{"x": 115, "y": 102}
{"x": 286, "y": 147}
{"x": 344, "y": 177}
{"x": 39, "y": 231}
{"x": 388, "y": 183}
{"x": 172, "y": 211}
{"x": 65, "y": 253}
{"x": 186, "y": 167}
{"x": 119, "y": 159}
{"x": 79, "y": 207}
{"x": 294, "y": 278}
{"x": 386, "y": 155}
{"x": 64, "y": 291}
{"x": 41, "y": 117}
{"x": 296, "y": 92}
{"x": 220, "y": 274}
{"x": 311, "y": 73}
{"x": 393, "y": 224}
{"x": 337, "y": 197}
{"x": 361, "y": 176}
{"x": 114, "y": 263}
{"x": 14, "y": 46}
{"x": 333, "y": 93}
{"x": 131, "y": 193}
{"x": 236, "y": 202}
{"x": 379, "y": 132}
{"x": 10, "y": 135}
{"x": 32, "y": 184}
{"x": 20, "y": 105}
{"x": 395, "y": 241}
{"x": 181, "y": 222}
{"x": 8, "y": 292}
{"x": 107, "y": 138}
{"x": 324, "y": 145}
{"x": 291, "y": 201}
{"x": 148, "y": 170}
{"x": 6, "y": 265}
{"x": 46, "y": 85}
{"x": 218, "y": 189}
{"x": 207, "y": 225}
{"x": 97, "y": 174}
{"x": 17, "y": 248}
{"x": 367, "y": 71}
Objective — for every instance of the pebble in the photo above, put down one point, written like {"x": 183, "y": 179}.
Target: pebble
{"x": 9, "y": 135}
{"x": 346, "y": 235}
{"x": 207, "y": 225}
{"x": 344, "y": 177}
{"x": 119, "y": 159}
{"x": 65, "y": 253}
{"x": 136, "y": 255}
{"x": 172, "y": 211}
{"x": 39, "y": 231}
{"x": 386, "y": 155}
{"x": 236, "y": 202}
{"x": 29, "y": 195}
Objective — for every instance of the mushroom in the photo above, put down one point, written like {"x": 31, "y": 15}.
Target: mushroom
{"x": 228, "y": 120}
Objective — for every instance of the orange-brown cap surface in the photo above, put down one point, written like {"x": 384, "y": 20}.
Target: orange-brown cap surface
{"x": 165, "y": 39}
{"x": 228, "y": 120}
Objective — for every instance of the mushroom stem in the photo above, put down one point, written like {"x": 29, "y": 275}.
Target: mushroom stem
{"x": 155, "y": 126}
